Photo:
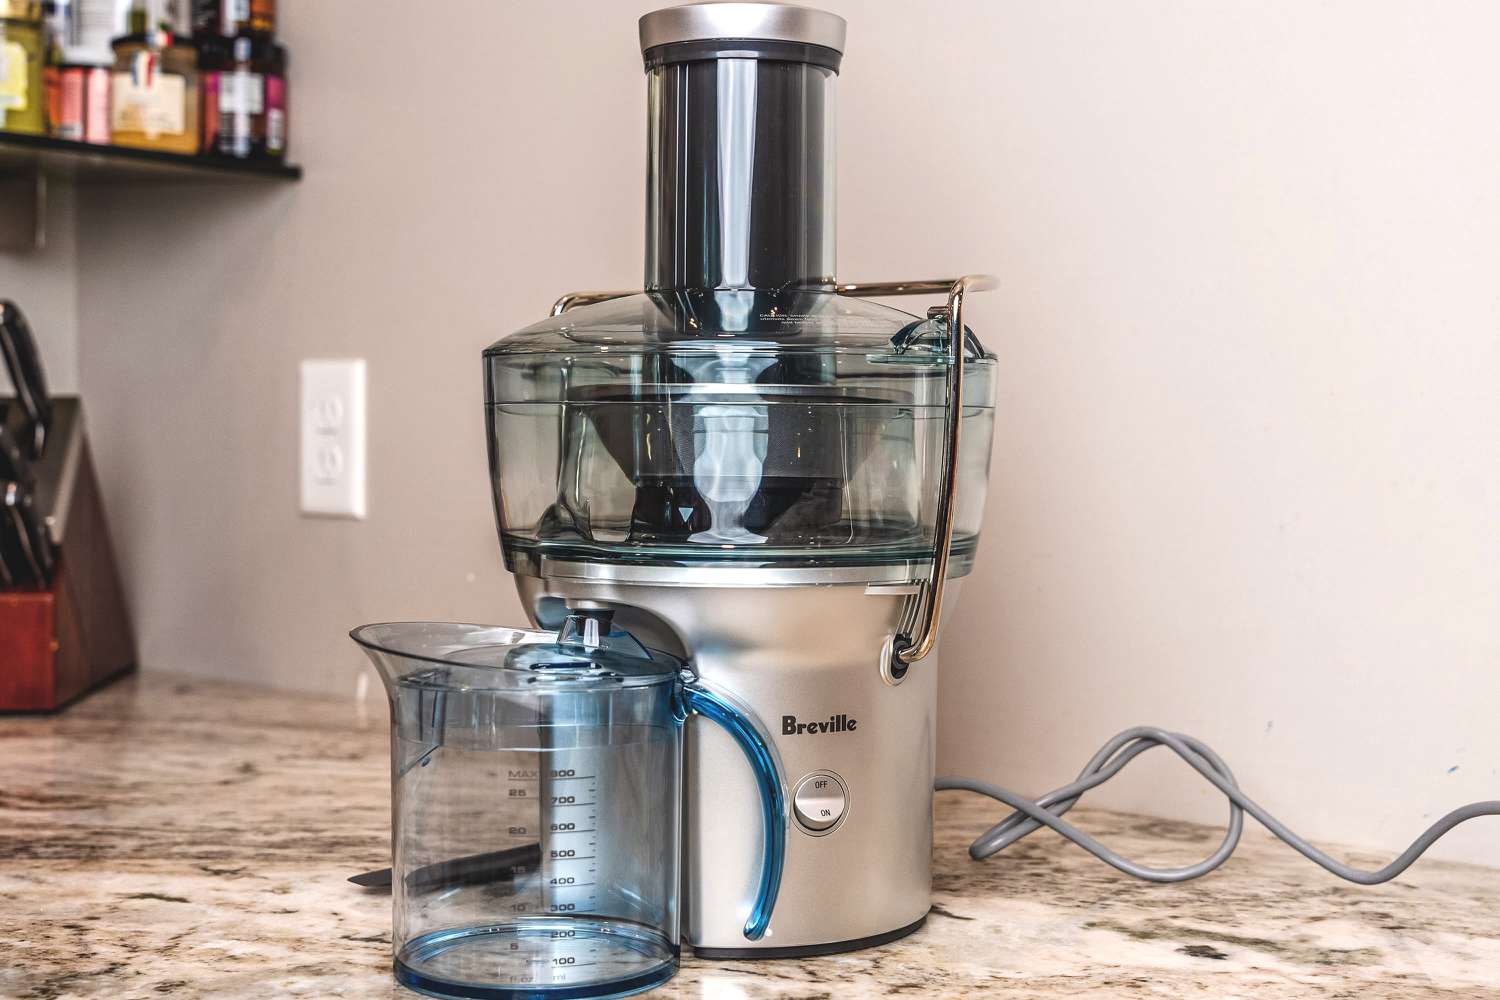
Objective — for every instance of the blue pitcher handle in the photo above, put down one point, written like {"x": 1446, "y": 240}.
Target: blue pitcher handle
{"x": 695, "y": 699}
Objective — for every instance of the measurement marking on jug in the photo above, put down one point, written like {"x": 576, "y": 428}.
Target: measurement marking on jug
{"x": 568, "y": 882}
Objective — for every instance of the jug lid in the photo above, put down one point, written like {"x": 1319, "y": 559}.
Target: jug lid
{"x": 487, "y": 656}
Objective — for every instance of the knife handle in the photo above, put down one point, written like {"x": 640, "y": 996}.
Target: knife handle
{"x": 32, "y": 545}
{"x": 8, "y": 579}
{"x": 24, "y": 363}
{"x": 18, "y": 570}
{"x": 13, "y": 465}
{"x": 36, "y": 545}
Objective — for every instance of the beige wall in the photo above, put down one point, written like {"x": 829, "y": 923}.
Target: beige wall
{"x": 1245, "y": 470}
{"x": 44, "y": 283}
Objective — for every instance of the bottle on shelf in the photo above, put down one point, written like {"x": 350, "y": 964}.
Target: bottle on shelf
{"x": 154, "y": 93}
{"x": 193, "y": 77}
{"x": 263, "y": 18}
{"x": 78, "y": 67}
{"x": 23, "y": 54}
{"x": 244, "y": 108}
{"x": 235, "y": 99}
{"x": 175, "y": 16}
{"x": 213, "y": 61}
{"x": 78, "y": 101}
{"x": 57, "y": 17}
{"x": 92, "y": 25}
{"x": 276, "y": 103}
{"x": 230, "y": 18}
{"x": 55, "y": 30}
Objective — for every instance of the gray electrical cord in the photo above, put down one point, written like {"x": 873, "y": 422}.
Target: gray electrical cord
{"x": 1032, "y": 814}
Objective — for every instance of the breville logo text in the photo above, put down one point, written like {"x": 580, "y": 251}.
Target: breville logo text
{"x": 835, "y": 724}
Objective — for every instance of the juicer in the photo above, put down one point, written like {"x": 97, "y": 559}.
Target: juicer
{"x": 752, "y": 467}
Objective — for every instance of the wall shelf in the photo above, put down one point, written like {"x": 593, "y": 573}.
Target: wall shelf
{"x": 26, "y": 161}
{"x": 86, "y": 161}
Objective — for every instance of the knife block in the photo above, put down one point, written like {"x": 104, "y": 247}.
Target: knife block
{"x": 59, "y": 643}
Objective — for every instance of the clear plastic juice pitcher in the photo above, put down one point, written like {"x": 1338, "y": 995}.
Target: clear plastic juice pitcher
{"x": 536, "y": 807}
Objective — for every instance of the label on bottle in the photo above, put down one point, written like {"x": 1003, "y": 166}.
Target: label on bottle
{"x": 276, "y": 115}
{"x": 208, "y": 110}
{"x": 96, "y": 106}
{"x": 154, "y": 106}
{"x": 68, "y": 120}
{"x": 242, "y": 93}
{"x": 13, "y": 75}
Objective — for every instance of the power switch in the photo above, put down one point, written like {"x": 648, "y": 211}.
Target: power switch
{"x": 819, "y": 802}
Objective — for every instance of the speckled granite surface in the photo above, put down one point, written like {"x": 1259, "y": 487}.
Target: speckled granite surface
{"x": 181, "y": 839}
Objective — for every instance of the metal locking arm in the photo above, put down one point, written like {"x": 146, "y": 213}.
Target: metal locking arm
{"x": 573, "y": 300}
{"x": 908, "y": 649}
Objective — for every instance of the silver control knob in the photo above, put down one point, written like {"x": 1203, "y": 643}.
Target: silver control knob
{"x": 819, "y": 802}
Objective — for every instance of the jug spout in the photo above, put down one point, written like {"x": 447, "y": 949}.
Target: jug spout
{"x": 387, "y": 665}
{"x": 394, "y": 649}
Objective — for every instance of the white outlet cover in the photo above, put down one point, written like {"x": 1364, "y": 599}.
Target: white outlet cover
{"x": 333, "y": 438}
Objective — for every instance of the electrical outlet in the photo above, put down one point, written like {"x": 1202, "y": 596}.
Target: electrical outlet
{"x": 333, "y": 438}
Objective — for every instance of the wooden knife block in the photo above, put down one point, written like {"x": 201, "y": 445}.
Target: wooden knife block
{"x": 58, "y": 643}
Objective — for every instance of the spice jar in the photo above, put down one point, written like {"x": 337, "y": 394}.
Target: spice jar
{"x": 23, "y": 102}
{"x": 154, "y": 93}
{"x": 79, "y": 103}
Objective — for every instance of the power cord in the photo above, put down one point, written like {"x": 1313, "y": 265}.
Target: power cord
{"x": 1032, "y": 814}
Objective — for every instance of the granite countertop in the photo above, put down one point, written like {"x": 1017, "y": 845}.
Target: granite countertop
{"x": 174, "y": 838}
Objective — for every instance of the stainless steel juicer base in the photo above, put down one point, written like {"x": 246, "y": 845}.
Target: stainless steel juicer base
{"x": 798, "y": 654}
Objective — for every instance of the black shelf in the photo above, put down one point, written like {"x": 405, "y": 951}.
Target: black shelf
{"x": 87, "y": 162}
